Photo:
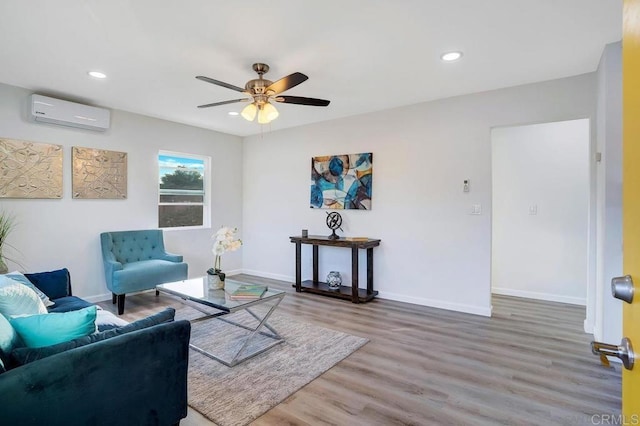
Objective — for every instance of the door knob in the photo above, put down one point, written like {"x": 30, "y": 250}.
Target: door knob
{"x": 622, "y": 288}
{"x": 624, "y": 352}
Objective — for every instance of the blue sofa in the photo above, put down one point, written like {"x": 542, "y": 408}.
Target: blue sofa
{"x": 129, "y": 375}
{"x": 136, "y": 261}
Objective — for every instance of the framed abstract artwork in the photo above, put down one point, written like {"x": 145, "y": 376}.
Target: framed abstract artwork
{"x": 30, "y": 169}
{"x": 98, "y": 174}
{"x": 342, "y": 181}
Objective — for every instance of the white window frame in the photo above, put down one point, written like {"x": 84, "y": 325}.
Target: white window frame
{"x": 206, "y": 201}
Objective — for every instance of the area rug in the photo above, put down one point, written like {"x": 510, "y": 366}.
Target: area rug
{"x": 233, "y": 396}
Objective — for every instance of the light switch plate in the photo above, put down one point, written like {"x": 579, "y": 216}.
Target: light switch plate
{"x": 476, "y": 209}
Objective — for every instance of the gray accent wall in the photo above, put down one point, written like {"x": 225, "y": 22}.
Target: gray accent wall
{"x": 53, "y": 234}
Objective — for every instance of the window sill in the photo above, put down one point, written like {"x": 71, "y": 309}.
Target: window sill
{"x": 186, "y": 228}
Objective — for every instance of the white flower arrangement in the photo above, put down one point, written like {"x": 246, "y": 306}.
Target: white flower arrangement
{"x": 224, "y": 241}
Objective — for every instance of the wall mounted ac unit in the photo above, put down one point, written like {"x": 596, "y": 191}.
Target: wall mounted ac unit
{"x": 65, "y": 113}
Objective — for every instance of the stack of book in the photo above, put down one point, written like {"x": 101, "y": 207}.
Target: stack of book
{"x": 247, "y": 292}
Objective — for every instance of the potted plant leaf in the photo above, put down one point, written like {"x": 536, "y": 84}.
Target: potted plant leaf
{"x": 7, "y": 224}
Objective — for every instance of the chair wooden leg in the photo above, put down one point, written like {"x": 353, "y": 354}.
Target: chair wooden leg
{"x": 120, "y": 304}
{"x": 114, "y": 297}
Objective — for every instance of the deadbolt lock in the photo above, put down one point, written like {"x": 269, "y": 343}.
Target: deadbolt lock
{"x": 622, "y": 288}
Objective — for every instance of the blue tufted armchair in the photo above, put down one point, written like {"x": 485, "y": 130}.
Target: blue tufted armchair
{"x": 136, "y": 260}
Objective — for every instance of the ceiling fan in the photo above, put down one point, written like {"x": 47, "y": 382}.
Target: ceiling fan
{"x": 262, "y": 92}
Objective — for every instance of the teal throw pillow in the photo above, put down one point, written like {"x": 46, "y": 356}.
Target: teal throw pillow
{"x": 19, "y": 277}
{"x": 44, "y": 330}
{"x": 18, "y": 299}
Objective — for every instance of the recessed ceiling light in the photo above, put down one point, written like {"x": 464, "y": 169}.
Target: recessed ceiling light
{"x": 234, "y": 113}
{"x": 97, "y": 74}
{"x": 451, "y": 56}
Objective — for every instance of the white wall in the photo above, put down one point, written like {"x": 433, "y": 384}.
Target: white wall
{"x": 540, "y": 211}
{"x": 608, "y": 317}
{"x": 433, "y": 251}
{"x": 65, "y": 233}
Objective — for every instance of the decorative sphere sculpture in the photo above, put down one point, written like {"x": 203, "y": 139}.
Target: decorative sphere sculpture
{"x": 334, "y": 221}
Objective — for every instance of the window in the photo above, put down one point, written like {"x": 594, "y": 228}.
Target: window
{"x": 184, "y": 188}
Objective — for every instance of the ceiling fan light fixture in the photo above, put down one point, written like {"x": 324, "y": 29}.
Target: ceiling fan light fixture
{"x": 263, "y": 117}
{"x": 249, "y": 112}
{"x": 270, "y": 111}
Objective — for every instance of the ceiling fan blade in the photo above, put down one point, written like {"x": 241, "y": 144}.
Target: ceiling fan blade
{"x": 233, "y": 101}
{"x": 302, "y": 101}
{"x": 286, "y": 83}
{"x": 220, "y": 83}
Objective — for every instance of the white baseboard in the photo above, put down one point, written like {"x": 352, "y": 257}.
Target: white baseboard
{"x": 539, "y": 296}
{"x": 469, "y": 309}
{"x": 107, "y": 296}
{"x": 269, "y": 275}
{"x": 98, "y": 298}
{"x": 433, "y": 303}
{"x": 233, "y": 272}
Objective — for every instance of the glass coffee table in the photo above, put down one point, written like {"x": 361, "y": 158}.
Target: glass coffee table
{"x": 195, "y": 293}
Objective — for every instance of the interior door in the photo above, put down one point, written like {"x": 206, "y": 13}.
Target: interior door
{"x": 631, "y": 196}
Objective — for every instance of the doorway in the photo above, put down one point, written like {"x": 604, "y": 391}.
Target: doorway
{"x": 541, "y": 201}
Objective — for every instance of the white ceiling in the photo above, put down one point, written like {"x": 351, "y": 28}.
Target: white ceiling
{"x": 363, "y": 55}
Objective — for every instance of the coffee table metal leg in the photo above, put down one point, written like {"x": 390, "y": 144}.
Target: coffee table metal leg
{"x": 274, "y": 333}
{"x": 262, "y": 323}
{"x": 235, "y": 359}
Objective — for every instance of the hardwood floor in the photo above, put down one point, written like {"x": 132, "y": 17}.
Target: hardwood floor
{"x": 528, "y": 364}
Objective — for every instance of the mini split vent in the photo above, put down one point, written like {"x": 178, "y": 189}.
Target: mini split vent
{"x": 64, "y": 113}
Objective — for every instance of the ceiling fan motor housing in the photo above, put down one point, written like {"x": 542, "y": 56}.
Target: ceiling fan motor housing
{"x": 257, "y": 86}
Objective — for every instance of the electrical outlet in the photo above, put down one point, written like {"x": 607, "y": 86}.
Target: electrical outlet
{"x": 476, "y": 209}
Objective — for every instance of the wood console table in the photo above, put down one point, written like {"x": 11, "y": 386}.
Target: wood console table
{"x": 353, "y": 293}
